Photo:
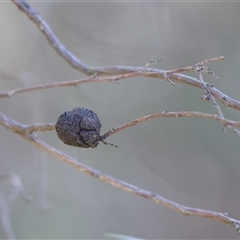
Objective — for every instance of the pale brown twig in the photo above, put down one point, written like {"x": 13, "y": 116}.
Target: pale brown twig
{"x": 39, "y": 127}
{"x": 226, "y": 122}
{"x": 200, "y": 68}
{"x": 224, "y": 99}
{"x": 90, "y": 79}
{"x": 195, "y": 67}
{"x": 209, "y": 96}
{"x": 12, "y": 125}
{"x": 152, "y": 61}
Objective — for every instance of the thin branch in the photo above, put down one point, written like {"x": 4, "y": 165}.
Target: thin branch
{"x": 11, "y": 125}
{"x": 200, "y": 68}
{"x": 196, "y": 67}
{"x": 210, "y": 60}
{"x": 223, "y": 98}
{"x": 152, "y": 61}
{"x": 209, "y": 96}
{"x": 90, "y": 79}
{"x": 38, "y": 127}
{"x": 226, "y": 122}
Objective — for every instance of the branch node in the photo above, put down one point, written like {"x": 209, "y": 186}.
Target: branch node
{"x": 168, "y": 79}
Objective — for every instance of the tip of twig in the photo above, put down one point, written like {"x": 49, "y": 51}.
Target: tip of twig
{"x": 107, "y": 143}
{"x": 172, "y": 83}
{"x": 168, "y": 79}
{"x": 236, "y": 131}
{"x": 224, "y": 129}
{"x": 152, "y": 61}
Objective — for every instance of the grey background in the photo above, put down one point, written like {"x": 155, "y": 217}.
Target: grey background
{"x": 188, "y": 160}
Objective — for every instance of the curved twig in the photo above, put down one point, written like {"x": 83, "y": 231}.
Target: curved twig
{"x": 225, "y": 122}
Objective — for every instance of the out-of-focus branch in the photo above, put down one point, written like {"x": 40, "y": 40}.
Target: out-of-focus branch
{"x": 17, "y": 189}
{"x": 12, "y": 125}
{"x": 5, "y": 219}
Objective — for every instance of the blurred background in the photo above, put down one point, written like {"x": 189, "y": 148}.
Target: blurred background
{"x": 188, "y": 160}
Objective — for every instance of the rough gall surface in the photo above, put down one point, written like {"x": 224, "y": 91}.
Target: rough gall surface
{"x": 79, "y": 128}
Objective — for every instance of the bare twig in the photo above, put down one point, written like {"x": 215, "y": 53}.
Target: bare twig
{"x": 39, "y": 127}
{"x": 152, "y": 61}
{"x": 210, "y": 60}
{"x": 200, "y": 68}
{"x": 195, "y": 67}
{"x": 113, "y": 79}
{"x": 209, "y": 96}
{"x": 223, "y": 98}
{"x": 224, "y": 121}
{"x": 11, "y": 125}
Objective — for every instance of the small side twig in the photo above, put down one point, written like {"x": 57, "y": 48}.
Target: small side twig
{"x": 201, "y": 68}
{"x": 152, "y": 61}
{"x": 226, "y": 122}
{"x": 195, "y": 67}
{"x": 209, "y": 96}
